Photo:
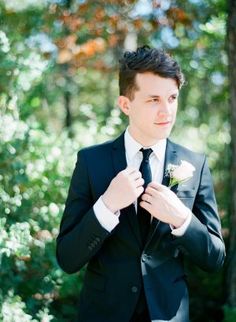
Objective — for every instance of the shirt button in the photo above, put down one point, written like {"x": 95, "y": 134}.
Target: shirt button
{"x": 134, "y": 289}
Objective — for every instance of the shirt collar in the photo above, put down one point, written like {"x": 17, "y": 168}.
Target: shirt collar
{"x": 132, "y": 147}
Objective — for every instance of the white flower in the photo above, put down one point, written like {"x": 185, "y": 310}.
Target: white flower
{"x": 180, "y": 173}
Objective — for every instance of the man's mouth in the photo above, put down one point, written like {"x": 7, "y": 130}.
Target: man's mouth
{"x": 163, "y": 123}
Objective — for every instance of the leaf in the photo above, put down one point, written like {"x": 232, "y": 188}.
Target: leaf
{"x": 64, "y": 56}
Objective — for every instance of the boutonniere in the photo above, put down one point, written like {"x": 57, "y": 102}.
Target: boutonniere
{"x": 179, "y": 173}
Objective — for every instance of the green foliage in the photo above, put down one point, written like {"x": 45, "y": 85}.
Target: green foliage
{"x": 230, "y": 314}
{"x": 37, "y": 154}
{"x": 35, "y": 171}
{"x": 16, "y": 241}
{"x": 13, "y": 309}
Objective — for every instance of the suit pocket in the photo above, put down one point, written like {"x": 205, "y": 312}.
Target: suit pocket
{"x": 187, "y": 201}
{"x": 186, "y": 193}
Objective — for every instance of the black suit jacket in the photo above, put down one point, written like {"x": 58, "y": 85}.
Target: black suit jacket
{"x": 117, "y": 264}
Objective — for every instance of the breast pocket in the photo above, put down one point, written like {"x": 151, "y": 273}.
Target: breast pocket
{"x": 186, "y": 193}
{"x": 187, "y": 197}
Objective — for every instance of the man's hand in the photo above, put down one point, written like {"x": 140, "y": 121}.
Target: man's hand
{"x": 124, "y": 189}
{"x": 163, "y": 204}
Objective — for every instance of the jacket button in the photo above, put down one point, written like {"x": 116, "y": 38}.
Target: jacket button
{"x": 144, "y": 258}
{"x": 134, "y": 289}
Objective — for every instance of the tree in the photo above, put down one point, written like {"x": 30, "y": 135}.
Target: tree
{"x": 59, "y": 62}
{"x": 231, "y": 48}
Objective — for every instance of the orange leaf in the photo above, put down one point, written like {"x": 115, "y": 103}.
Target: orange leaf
{"x": 64, "y": 56}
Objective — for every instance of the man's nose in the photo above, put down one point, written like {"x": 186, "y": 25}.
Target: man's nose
{"x": 164, "y": 109}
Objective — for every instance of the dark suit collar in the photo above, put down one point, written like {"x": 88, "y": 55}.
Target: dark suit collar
{"x": 118, "y": 153}
{"x": 119, "y": 141}
{"x": 120, "y": 163}
{"x": 171, "y": 157}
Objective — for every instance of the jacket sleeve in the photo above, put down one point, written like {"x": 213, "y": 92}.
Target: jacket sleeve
{"x": 202, "y": 241}
{"x": 81, "y": 235}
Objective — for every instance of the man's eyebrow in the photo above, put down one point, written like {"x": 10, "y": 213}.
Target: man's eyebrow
{"x": 156, "y": 96}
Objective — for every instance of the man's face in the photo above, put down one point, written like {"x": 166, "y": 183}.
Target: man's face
{"x": 152, "y": 112}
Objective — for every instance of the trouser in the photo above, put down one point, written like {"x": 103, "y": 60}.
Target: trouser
{"x": 141, "y": 313}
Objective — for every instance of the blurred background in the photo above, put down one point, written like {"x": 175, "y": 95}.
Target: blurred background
{"x": 58, "y": 93}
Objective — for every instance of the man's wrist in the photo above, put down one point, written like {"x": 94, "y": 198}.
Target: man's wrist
{"x": 106, "y": 218}
{"x": 182, "y": 229}
{"x": 178, "y": 221}
{"x": 107, "y": 204}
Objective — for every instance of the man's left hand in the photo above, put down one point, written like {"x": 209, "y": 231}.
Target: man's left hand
{"x": 164, "y": 205}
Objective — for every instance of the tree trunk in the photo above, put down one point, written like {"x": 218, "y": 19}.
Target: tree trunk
{"x": 67, "y": 98}
{"x": 67, "y": 93}
{"x": 231, "y": 48}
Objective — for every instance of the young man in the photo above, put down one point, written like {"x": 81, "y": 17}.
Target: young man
{"x": 123, "y": 220}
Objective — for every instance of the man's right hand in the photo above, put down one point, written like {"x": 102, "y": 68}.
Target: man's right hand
{"x": 124, "y": 189}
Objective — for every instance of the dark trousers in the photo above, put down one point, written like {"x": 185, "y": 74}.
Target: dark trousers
{"x": 141, "y": 317}
{"x": 141, "y": 313}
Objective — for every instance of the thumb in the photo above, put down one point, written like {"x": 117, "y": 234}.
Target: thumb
{"x": 157, "y": 186}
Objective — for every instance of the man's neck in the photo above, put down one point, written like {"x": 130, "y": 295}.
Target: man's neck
{"x": 144, "y": 141}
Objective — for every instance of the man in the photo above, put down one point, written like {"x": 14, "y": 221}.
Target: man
{"x": 121, "y": 218}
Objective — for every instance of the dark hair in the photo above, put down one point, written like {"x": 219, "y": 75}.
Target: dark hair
{"x": 146, "y": 59}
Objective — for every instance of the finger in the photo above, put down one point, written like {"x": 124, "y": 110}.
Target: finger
{"x": 146, "y": 206}
{"x": 132, "y": 172}
{"x": 156, "y": 186}
{"x": 136, "y": 175}
{"x": 151, "y": 191}
{"x": 157, "y": 195}
{"x": 129, "y": 170}
{"x": 139, "y": 191}
{"x": 139, "y": 182}
{"x": 147, "y": 198}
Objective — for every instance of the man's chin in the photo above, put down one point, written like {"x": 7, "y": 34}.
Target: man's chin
{"x": 163, "y": 136}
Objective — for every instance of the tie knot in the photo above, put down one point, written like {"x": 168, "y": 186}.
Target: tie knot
{"x": 146, "y": 154}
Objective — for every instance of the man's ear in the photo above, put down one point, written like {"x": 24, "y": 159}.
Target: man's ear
{"x": 124, "y": 104}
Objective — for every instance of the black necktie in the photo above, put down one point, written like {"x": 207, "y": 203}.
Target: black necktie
{"x": 143, "y": 216}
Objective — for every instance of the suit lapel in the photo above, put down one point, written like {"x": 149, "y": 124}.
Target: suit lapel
{"x": 118, "y": 154}
{"x": 170, "y": 157}
{"x": 120, "y": 163}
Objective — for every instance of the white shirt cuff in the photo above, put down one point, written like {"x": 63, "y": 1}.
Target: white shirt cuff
{"x": 106, "y": 218}
{"x": 181, "y": 230}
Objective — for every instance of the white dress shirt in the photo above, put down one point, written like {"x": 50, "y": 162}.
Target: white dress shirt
{"x": 108, "y": 219}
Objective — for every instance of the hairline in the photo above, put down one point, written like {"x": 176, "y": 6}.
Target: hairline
{"x": 131, "y": 91}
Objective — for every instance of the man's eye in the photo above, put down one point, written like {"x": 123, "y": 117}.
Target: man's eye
{"x": 173, "y": 98}
{"x": 153, "y": 100}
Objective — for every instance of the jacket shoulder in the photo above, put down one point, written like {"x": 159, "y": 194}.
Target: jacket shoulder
{"x": 188, "y": 153}
{"x": 97, "y": 148}
{"x": 104, "y": 147}
{"x": 99, "y": 156}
